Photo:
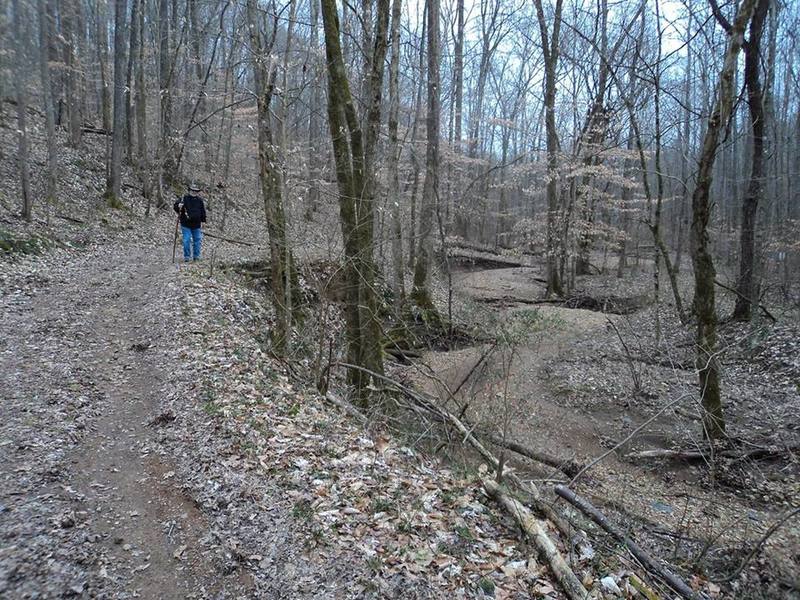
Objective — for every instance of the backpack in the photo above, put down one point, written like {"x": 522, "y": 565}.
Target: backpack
{"x": 193, "y": 208}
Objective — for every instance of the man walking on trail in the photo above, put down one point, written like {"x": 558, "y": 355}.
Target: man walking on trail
{"x": 192, "y": 214}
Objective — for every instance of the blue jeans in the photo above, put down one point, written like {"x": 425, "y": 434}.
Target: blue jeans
{"x": 192, "y": 240}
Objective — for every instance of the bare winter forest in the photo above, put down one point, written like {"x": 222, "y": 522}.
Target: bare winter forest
{"x": 496, "y": 299}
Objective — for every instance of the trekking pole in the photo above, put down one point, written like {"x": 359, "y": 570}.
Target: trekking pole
{"x": 175, "y": 241}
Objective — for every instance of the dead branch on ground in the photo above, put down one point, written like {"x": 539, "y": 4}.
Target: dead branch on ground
{"x": 763, "y": 308}
{"x": 534, "y": 529}
{"x": 762, "y": 452}
{"x": 229, "y": 240}
{"x": 660, "y": 571}
{"x": 567, "y": 466}
{"x": 529, "y": 489}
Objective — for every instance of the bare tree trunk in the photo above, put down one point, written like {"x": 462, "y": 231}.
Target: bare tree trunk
{"x": 394, "y": 157}
{"x": 101, "y": 26}
{"x": 458, "y": 75}
{"x": 114, "y": 182}
{"x": 270, "y": 177}
{"x": 69, "y": 26}
{"x": 315, "y": 160}
{"x": 22, "y": 108}
{"x": 626, "y": 199}
{"x": 202, "y": 78}
{"x": 490, "y": 39}
{"x": 550, "y": 51}
{"x": 660, "y": 247}
{"x": 755, "y": 101}
{"x": 45, "y": 34}
{"x": 685, "y": 145}
{"x": 430, "y": 190}
{"x": 354, "y": 155}
{"x": 415, "y": 126}
{"x": 141, "y": 110}
{"x": 594, "y": 133}
{"x": 702, "y": 260}
{"x": 129, "y": 74}
{"x": 166, "y": 159}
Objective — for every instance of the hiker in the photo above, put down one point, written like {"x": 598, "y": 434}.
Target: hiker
{"x": 192, "y": 213}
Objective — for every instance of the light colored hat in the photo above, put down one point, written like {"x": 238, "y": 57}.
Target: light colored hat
{"x": 195, "y": 187}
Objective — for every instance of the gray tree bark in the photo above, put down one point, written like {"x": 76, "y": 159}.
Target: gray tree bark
{"x": 702, "y": 260}
{"x": 430, "y": 191}
{"x": 398, "y": 271}
{"x": 354, "y": 155}
{"x": 270, "y": 177}
{"x": 550, "y": 51}
{"x": 747, "y": 288}
{"x": 22, "y": 108}
{"x": 45, "y": 35}
{"x": 114, "y": 181}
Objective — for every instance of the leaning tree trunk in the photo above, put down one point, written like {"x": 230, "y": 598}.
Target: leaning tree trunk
{"x": 702, "y": 260}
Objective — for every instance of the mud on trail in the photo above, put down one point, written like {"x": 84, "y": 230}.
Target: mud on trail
{"x": 88, "y": 501}
{"x": 570, "y": 393}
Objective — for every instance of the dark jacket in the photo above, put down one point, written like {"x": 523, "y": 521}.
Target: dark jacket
{"x": 193, "y": 212}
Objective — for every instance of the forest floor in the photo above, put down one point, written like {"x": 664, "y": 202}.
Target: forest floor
{"x": 151, "y": 447}
{"x": 569, "y": 391}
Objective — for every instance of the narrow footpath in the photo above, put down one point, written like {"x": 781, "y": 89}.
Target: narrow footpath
{"x": 87, "y": 502}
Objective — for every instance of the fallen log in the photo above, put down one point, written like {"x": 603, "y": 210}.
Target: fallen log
{"x": 642, "y": 587}
{"x": 486, "y": 259}
{"x": 653, "y": 362}
{"x": 401, "y": 355}
{"x": 648, "y": 562}
{"x": 535, "y": 530}
{"x": 95, "y": 130}
{"x": 665, "y": 453}
{"x": 567, "y": 466}
{"x": 505, "y": 300}
{"x": 766, "y": 452}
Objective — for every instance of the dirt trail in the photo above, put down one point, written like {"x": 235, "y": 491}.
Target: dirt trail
{"x": 84, "y": 363}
